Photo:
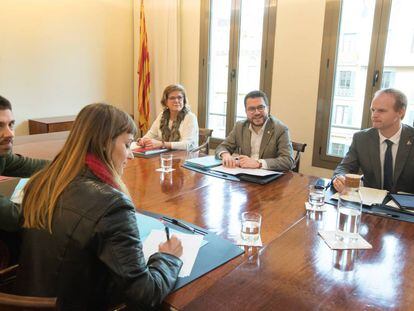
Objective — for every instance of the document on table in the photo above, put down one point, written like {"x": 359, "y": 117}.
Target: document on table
{"x": 17, "y": 196}
{"x": 191, "y": 245}
{"x": 248, "y": 171}
{"x": 369, "y": 196}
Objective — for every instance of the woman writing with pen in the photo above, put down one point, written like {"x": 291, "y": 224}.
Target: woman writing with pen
{"x": 81, "y": 242}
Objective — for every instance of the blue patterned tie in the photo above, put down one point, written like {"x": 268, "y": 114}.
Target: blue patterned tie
{"x": 388, "y": 171}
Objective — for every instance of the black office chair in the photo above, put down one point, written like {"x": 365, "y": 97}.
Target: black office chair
{"x": 298, "y": 147}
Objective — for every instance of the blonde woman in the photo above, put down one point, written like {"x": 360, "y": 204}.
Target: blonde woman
{"x": 176, "y": 127}
{"x": 81, "y": 243}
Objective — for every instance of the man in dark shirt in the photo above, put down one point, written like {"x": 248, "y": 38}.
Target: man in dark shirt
{"x": 13, "y": 165}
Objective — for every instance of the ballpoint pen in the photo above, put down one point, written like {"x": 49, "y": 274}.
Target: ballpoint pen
{"x": 183, "y": 225}
{"x": 167, "y": 233}
{"x": 166, "y": 228}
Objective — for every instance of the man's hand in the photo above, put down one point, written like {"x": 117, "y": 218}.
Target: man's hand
{"x": 228, "y": 160}
{"x": 247, "y": 162}
{"x": 173, "y": 246}
{"x": 339, "y": 183}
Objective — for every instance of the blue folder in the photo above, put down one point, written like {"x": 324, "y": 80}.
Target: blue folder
{"x": 216, "y": 252}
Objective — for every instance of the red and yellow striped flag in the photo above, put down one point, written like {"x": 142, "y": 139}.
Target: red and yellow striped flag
{"x": 143, "y": 75}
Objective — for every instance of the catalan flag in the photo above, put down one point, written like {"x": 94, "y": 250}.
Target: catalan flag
{"x": 143, "y": 75}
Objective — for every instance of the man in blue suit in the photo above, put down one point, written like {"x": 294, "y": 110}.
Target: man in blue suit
{"x": 384, "y": 153}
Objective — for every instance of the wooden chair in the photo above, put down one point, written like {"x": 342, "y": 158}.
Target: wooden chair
{"x": 13, "y": 302}
{"x": 204, "y": 136}
{"x": 298, "y": 147}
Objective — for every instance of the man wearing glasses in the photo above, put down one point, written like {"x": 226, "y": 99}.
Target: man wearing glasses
{"x": 261, "y": 141}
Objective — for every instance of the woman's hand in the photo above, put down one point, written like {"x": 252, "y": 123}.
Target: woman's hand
{"x": 150, "y": 143}
{"x": 173, "y": 246}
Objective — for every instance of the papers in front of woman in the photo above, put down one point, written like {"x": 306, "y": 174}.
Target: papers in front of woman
{"x": 191, "y": 245}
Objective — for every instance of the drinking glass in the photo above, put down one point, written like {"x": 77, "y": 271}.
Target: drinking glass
{"x": 166, "y": 162}
{"x": 316, "y": 196}
{"x": 250, "y": 226}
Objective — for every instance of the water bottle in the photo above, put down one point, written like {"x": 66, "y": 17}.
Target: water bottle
{"x": 349, "y": 210}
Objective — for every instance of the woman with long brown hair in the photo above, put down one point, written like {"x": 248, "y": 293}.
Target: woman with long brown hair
{"x": 81, "y": 243}
{"x": 176, "y": 126}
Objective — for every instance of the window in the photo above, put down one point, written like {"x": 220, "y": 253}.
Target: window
{"x": 387, "y": 79}
{"x": 337, "y": 149}
{"x": 343, "y": 115}
{"x": 345, "y": 87}
{"x": 236, "y": 57}
{"x": 367, "y": 45}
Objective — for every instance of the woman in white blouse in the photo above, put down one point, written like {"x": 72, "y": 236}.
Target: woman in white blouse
{"x": 176, "y": 127}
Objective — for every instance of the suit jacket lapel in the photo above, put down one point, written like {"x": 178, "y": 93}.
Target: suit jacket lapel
{"x": 247, "y": 135}
{"x": 404, "y": 147}
{"x": 374, "y": 155}
{"x": 267, "y": 134}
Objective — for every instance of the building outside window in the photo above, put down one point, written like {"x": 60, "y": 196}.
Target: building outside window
{"x": 236, "y": 57}
{"x": 367, "y": 46}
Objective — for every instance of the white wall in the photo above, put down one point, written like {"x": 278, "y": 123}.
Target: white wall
{"x": 58, "y": 55}
{"x": 298, "y": 44}
{"x": 190, "y": 42}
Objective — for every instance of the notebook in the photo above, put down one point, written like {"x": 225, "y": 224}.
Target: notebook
{"x": 203, "y": 162}
{"x": 147, "y": 152}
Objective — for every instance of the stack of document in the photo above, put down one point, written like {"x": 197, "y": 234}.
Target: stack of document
{"x": 145, "y": 152}
{"x": 369, "y": 196}
{"x": 203, "y": 162}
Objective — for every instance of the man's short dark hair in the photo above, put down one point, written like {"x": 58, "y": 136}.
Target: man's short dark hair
{"x": 256, "y": 94}
{"x": 400, "y": 98}
{"x": 4, "y": 104}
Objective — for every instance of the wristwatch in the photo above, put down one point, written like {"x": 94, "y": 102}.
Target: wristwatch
{"x": 163, "y": 144}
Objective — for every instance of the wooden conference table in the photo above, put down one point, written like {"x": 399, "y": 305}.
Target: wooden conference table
{"x": 294, "y": 269}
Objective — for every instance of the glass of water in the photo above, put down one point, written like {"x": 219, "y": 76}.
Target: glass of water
{"x": 316, "y": 196}
{"x": 166, "y": 162}
{"x": 250, "y": 226}
{"x": 349, "y": 210}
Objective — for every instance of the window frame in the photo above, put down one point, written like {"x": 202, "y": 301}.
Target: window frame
{"x": 268, "y": 41}
{"x": 330, "y": 46}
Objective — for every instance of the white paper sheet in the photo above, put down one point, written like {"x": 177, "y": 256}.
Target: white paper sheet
{"x": 191, "y": 244}
{"x": 17, "y": 196}
{"x": 369, "y": 196}
{"x": 238, "y": 170}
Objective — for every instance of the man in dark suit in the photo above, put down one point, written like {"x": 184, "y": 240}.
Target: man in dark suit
{"x": 261, "y": 141}
{"x": 384, "y": 153}
{"x": 12, "y": 165}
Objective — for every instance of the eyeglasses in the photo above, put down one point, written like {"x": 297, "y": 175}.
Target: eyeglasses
{"x": 179, "y": 97}
{"x": 259, "y": 108}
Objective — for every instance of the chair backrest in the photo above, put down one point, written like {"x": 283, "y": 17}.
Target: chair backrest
{"x": 26, "y": 303}
{"x": 204, "y": 136}
{"x": 13, "y": 302}
{"x": 298, "y": 148}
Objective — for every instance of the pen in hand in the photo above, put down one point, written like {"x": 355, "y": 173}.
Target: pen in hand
{"x": 167, "y": 232}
